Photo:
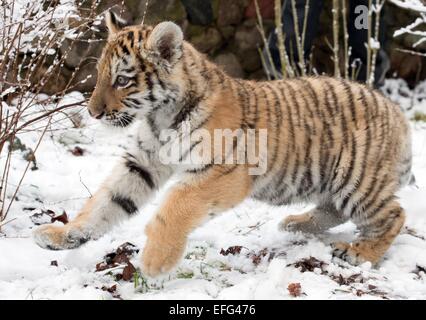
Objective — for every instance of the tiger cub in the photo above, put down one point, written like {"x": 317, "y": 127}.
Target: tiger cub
{"x": 332, "y": 142}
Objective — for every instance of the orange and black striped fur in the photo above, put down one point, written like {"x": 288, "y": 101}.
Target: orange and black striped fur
{"x": 333, "y": 142}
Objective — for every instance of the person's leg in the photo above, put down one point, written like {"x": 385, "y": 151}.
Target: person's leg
{"x": 358, "y": 35}
{"x": 315, "y": 8}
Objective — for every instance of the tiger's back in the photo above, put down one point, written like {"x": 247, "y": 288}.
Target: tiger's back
{"x": 329, "y": 139}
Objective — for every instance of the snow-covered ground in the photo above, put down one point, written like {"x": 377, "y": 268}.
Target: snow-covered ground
{"x": 262, "y": 268}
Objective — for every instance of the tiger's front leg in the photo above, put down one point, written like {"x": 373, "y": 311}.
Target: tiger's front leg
{"x": 131, "y": 184}
{"x": 185, "y": 208}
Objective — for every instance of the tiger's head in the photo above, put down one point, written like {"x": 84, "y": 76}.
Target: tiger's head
{"x": 137, "y": 72}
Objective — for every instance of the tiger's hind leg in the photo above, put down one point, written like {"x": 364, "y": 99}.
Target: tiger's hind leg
{"x": 318, "y": 220}
{"x": 379, "y": 228}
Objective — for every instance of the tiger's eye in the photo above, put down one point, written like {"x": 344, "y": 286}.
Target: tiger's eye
{"x": 122, "y": 81}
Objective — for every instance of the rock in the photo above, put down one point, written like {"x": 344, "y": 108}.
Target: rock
{"x": 56, "y": 83}
{"x": 410, "y": 39}
{"x": 258, "y": 75}
{"x": 205, "y": 39}
{"x": 406, "y": 66}
{"x": 85, "y": 77}
{"x": 247, "y": 37}
{"x": 230, "y": 63}
{"x": 227, "y": 32}
{"x": 231, "y": 12}
{"x": 200, "y": 12}
{"x": 77, "y": 51}
{"x": 250, "y": 60}
{"x": 158, "y": 11}
{"x": 266, "y": 8}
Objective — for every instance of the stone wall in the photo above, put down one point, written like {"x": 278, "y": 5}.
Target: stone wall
{"x": 226, "y": 31}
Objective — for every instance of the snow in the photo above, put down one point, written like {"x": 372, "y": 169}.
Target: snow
{"x": 415, "y": 5}
{"x": 17, "y": 13}
{"x": 64, "y": 182}
{"x": 374, "y": 44}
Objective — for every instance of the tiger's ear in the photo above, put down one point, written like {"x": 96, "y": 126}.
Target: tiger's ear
{"x": 113, "y": 23}
{"x": 165, "y": 41}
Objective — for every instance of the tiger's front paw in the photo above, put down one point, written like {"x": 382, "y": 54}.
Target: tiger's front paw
{"x": 356, "y": 253}
{"x": 59, "y": 237}
{"x": 162, "y": 251}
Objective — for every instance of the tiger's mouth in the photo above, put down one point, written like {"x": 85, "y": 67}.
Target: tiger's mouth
{"x": 119, "y": 119}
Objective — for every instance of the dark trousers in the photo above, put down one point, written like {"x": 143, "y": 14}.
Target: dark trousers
{"x": 357, "y": 37}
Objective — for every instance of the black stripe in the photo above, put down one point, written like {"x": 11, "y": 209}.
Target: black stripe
{"x": 278, "y": 123}
{"x": 150, "y": 85}
{"x": 307, "y": 106}
{"x": 125, "y": 203}
{"x": 288, "y": 106}
{"x": 127, "y": 104}
{"x": 343, "y": 122}
{"x": 350, "y": 95}
{"x": 377, "y": 188}
{"x": 190, "y": 104}
{"x": 295, "y": 103}
{"x": 380, "y": 207}
{"x": 329, "y": 107}
{"x": 296, "y": 168}
{"x": 204, "y": 70}
{"x": 228, "y": 169}
{"x": 334, "y": 171}
{"x": 141, "y": 62}
{"x": 325, "y": 141}
{"x": 184, "y": 155}
{"x": 243, "y": 103}
{"x": 131, "y": 38}
{"x": 365, "y": 155}
{"x": 308, "y": 182}
{"x": 161, "y": 82}
{"x": 200, "y": 170}
{"x": 256, "y": 106}
{"x": 129, "y": 70}
{"x": 136, "y": 103}
{"x": 349, "y": 173}
{"x": 125, "y": 49}
{"x": 186, "y": 72}
{"x": 141, "y": 171}
{"x": 284, "y": 164}
{"x": 312, "y": 93}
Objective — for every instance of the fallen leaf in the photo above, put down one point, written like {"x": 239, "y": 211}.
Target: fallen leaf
{"x": 111, "y": 289}
{"x": 128, "y": 272}
{"x": 256, "y": 258}
{"x": 231, "y": 250}
{"x": 295, "y": 289}
{"x": 309, "y": 264}
{"x": 121, "y": 256}
{"x": 62, "y": 218}
{"x": 77, "y": 151}
{"x": 359, "y": 292}
{"x": 101, "y": 266}
{"x": 419, "y": 269}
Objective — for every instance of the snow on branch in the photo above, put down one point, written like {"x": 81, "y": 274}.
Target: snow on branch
{"x": 414, "y": 5}
{"x": 417, "y": 6}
